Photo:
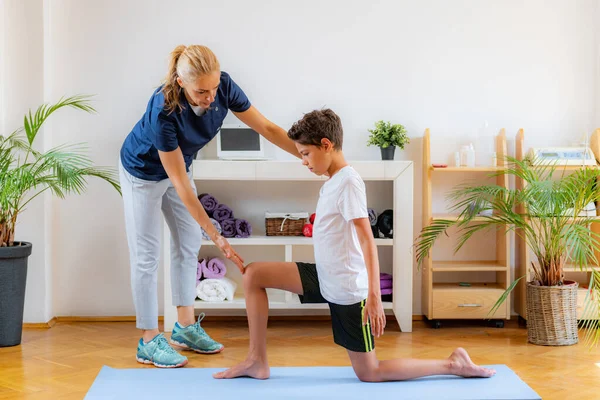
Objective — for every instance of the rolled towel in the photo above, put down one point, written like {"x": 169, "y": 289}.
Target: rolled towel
{"x": 214, "y": 269}
{"x": 384, "y": 276}
{"x": 243, "y": 229}
{"x": 216, "y": 224}
{"x": 216, "y": 289}
{"x": 375, "y": 231}
{"x": 208, "y": 202}
{"x": 372, "y": 216}
{"x": 383, "y": 291}
{"x": 201, "y": 266}
{"x": 385, "y": 223}
{"x": 222, "y": 212}
{"x": 228, "y": 227}
{"x": 385, "y": 285}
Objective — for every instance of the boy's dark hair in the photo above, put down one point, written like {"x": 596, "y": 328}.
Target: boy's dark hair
{"x": 316, "y": 125}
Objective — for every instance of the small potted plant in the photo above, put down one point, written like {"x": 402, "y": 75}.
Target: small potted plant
{"x": 26, "y": 173}
{"x": 387, "y": 137}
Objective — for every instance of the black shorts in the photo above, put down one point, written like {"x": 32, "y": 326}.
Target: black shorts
{"x": 346, "y": 320}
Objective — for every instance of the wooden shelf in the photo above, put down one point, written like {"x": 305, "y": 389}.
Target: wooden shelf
{"x": 468, "y": 169}
{"x": 454, "y": 217}
{"x": 571, "y": 218}
{"x": 474, "y": 286}
{"x": 467, "y": 266}
{"x": 572, "y": 167}
{"x": 575, "y": 268}
{"x": 449, "y": 300}
{"x": 282, "y": 241}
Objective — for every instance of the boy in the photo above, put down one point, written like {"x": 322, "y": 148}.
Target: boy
{"x": 346, "y": 272}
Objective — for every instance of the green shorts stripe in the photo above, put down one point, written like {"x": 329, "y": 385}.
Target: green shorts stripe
{"x": 365, "y": 327}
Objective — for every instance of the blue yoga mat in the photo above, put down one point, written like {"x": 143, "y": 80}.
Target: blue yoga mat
{"x": 300, "y": 383}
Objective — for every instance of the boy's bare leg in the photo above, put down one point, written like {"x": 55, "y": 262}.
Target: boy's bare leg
{"x": 369, "y": 369}
{"x": 257, "y": 278}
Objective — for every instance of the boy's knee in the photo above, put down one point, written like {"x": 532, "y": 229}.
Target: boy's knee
{"x": 250, "y": 274}
{"x": 368, "y": 374}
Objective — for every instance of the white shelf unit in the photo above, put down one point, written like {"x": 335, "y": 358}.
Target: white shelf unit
{"x": 400, "y": 173}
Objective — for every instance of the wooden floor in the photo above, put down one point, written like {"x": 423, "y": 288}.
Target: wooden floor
{"x": 62, "y": 362}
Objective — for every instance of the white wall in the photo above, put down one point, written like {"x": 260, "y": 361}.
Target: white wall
{"x": 444, "y": 65}
{"x": 22, "y": 88}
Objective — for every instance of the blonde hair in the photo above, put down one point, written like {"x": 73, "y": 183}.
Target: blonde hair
{"x": 188, "y": 63}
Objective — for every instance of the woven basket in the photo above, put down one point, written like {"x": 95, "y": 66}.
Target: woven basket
{"x": 552, "y": 314}
{"x": 285, "y": 224}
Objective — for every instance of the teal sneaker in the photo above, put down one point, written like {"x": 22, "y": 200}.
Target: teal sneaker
{"x": 160, "y": 353}
{"x": 193, "y": 337}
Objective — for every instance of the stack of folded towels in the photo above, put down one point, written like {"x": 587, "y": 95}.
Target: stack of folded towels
{"x": 211, "y": 282}
{"x": 386, "y": 285}
{"x": 223, "y": 219}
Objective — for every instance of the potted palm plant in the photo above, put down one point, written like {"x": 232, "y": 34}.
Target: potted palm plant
{"x": 25, "y": 174}
{"x": 549, "y": 213}
{"x": 387, "y": 137}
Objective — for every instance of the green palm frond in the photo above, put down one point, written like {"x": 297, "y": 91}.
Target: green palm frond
{"x": 33, "y": 123}
{"x": 63, "y": 170}
{"x": 504, "y": 296}
{"x": 428, "y": 237}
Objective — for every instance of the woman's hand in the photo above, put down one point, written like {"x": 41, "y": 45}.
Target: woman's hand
{"x": 374, "y": 312}
{"x": 229, "y": 252}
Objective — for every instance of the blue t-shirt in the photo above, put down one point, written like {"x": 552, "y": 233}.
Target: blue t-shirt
{"x": 159, "y": 130}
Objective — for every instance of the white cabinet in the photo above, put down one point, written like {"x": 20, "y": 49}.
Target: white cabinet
{"x": 398, "y": 173}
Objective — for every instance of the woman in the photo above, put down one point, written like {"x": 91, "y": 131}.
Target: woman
{"x": 182, "y": 116}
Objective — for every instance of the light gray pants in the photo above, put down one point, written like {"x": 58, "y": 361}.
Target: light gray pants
{"x": 143, "y": 203}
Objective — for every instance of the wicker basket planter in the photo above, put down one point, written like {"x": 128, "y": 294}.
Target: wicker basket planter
{"x": 552, "y": 314}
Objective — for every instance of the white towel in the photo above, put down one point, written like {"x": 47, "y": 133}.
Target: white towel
{"x": 216, "y": 289}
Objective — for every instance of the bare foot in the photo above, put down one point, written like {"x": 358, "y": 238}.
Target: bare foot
{"x": 461, "y": 365}
{"x": 251, "y": 368}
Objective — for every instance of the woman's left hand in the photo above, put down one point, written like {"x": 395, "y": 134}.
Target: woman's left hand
{"x": 375, "y": 314}
{"x": 229, "y": 252}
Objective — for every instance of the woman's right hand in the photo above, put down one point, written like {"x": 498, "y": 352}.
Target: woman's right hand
{"x": 229, "y": 252}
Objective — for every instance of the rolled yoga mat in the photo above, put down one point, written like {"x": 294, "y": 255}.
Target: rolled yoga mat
{"x": 208, "y": 202}
{"x": 217, "y": 226}
{"x": 300, "y": 383}
{"x": 385, "y": 223}
{"x": 222, "y": 213}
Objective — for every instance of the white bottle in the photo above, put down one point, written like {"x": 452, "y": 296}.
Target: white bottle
{"x": 470, "y": 156}
{"x": 494, "y": 159}
{"x": 457, "y": 159}
{"x": 463, "y": 156}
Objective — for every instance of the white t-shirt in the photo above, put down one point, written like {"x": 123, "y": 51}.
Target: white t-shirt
{"x": 340, "y": 263}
